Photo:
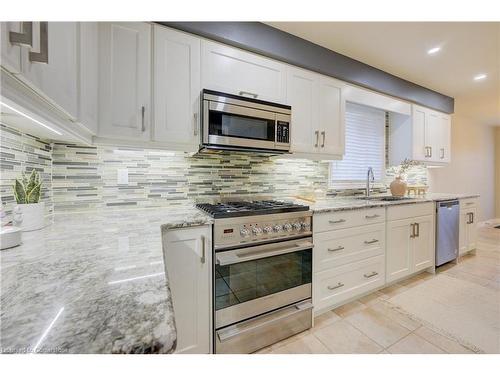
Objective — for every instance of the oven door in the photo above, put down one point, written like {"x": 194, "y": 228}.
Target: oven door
{"x": 258, "y": 279}
{"x": 233, "y": 125}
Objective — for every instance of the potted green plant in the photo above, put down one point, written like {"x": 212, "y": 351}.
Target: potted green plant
{"x": 398, "y": 186}
{"x": 29, "y": 213}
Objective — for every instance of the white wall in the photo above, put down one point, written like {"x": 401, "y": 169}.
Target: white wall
{"x": 472, "y": 168}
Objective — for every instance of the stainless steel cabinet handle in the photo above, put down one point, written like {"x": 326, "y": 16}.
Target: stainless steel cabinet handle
{"x": 143, "y": 111}
{"x": 339, "y": 285}
{"x": 242, "y": 93}
{"x": 430, "y": 151}
{"x": 412, "y": 235}
{"x": 338, "y": 248}
{"x": 371, "y": 216}
{"x": 418, "y": 230}
{"x": 426, "y": 151}
{"x": 472, "y": 217}
{"x": 371, "y": 241}
{"x": 202, "y": 259}
{"x": 368, "y": 275}
{"x": 195, "y": 120}
{"x": 43, "y": 55}
{"x": 317, "y": 138}
{"x": 442, "y": 153}
{"x": 336, "y": 221}
{"x": 24, "y": 37}
{"x": 323, "y": 133}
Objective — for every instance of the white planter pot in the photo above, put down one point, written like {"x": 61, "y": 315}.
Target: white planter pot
{"x": 29, "y": 216}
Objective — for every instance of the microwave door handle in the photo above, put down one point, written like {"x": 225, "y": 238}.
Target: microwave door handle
{"x": 237, "y": 256}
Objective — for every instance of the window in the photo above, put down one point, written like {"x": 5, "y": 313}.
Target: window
{"x": 364, "y": 147}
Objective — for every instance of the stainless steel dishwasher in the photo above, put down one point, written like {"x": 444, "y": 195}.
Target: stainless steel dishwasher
{"x": 447, "y": 225}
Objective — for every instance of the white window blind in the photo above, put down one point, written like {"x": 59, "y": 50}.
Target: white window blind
{"x": 365, "y": 146}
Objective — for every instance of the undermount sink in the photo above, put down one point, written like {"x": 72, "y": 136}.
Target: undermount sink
{"x": 384, "y": 198}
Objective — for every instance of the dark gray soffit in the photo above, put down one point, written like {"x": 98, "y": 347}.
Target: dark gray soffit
{"x": 268, "y": 41}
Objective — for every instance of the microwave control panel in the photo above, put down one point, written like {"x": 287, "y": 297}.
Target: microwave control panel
{"x": 283, "y": 132}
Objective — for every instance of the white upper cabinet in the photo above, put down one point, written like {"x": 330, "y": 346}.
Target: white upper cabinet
{"x": 235, "y": 71}
{"x": 88, "y": 109}
{"x": 57, "y": 79}
{"x": 302, "y": 95}
{"x": 425, "y": 137}
{"x": 176, "y": 89}
{"x": 125, "y": 80}
{"x": 11, "y": 53}
{"x": 317, "y": 114}
{"x": 331, "y": 117}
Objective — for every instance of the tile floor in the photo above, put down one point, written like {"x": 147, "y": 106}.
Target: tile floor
{"x": 372, "y": 325}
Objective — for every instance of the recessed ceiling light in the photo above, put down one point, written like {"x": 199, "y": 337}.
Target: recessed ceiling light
{"x": 480, "y": 77}
{"x": 434, "y": 50}
{"x": 29, "y": 118}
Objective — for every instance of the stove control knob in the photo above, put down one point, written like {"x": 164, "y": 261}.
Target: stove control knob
{"x": 287, "y": 227}
{"x": 268, "y": 229}
{"x": 297, "y": 226}
{"x": 244, "y": 232}
{"x": 257, "y": 231}
{"x": 277, "y": 228}
{"x": 305, "y": 225}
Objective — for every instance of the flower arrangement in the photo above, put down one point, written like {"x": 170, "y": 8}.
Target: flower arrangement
{"x": 27, "y": 191}
{"x": 405, "y": 165}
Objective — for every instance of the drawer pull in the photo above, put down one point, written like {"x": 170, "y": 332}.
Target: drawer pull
{"x": 337, "y": 248}
{"x": 368, "y": 275}
{"x": 336, "y": 221}
{"x": 371, "y": 216}
{"x": 339, "y": 285}
{"x": 469, "y": 203}
{"x": 371, "y": 241}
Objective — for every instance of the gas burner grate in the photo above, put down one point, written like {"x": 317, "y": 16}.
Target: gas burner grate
{"x": 249, "y": 208}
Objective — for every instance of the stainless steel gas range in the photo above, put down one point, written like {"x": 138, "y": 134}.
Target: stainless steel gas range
{"x": 262, "y": 273}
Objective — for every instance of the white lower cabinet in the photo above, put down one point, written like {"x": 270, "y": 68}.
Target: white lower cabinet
{"x": 188, "y": 258}
{"x": 468, "y": 225}
{"x": 348, "y": 256}
{"x": 410, "y": 240}
{"x": 339, "y": 284}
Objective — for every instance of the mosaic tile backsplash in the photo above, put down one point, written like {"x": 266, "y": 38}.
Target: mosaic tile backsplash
{"x": 22, "y": 153}
{"x": 78, "y": 177}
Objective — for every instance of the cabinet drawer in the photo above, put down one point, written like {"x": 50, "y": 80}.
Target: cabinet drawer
{"x": 405, "y": 211}
{"x": 468, "y": 203}
{"x": 335, "y": 248}
{"x": 345, "y": 219}
{"x": 334, "y": 286}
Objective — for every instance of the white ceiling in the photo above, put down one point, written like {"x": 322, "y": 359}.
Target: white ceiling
{"x": 400, "y": 48}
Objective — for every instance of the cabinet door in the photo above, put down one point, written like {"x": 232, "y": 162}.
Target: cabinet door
{"x": 176, "y": 88}
{"x": 419, "y": 139}
{"x": 399, "y": 249}
{"x": 472, "y": 228}
{"x": 88, "y": 110}
{"x": 234, "y": 71}
{"x": 302, "y": 95}
{"x": 56, "y": 80}
{"x": 423, "y": 243}
{"x": 463, "y": 232}
{"x": 11, "y": 53}
{"x": 187, "y": 254}
{"x": 444, "y": 151}
{"x": 432, "y": 135}
{"x": 125, "y": 80}
{"x": 331, "y": 117}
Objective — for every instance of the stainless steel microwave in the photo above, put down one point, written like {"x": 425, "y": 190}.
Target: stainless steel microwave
{"x": 232, "y": 122}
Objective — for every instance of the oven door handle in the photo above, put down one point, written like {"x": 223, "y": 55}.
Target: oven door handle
{"x": 233, "y": 331}
{"x": 243, "y": 255}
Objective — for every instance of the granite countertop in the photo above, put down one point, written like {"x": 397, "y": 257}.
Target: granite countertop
{"x": 92, "y": 283}
{"x": 334, "y": 204}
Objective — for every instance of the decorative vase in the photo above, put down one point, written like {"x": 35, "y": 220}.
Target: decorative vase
{"x": 398, "y": 187}
{"x": 29, "y": 216}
